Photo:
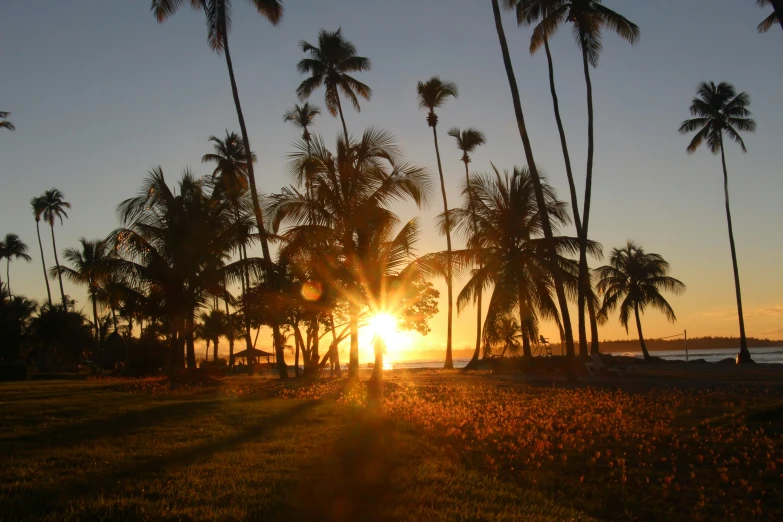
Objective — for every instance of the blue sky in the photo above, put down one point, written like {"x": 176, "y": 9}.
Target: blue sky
{"x": 100, "y": 93}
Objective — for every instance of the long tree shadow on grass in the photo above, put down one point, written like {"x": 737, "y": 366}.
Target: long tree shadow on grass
{"x": 99, "y": 428}
{"x": 352, "y": 480}
{"x": 36, "y": 502}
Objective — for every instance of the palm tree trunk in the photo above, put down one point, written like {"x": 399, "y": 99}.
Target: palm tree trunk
{"x": 639, "y": 328}
{"x": 375, "y": 388}
{"x": 215, "y": 349}
{"x": 449, "y": 364}
{"x": 342, "y": 119}
{"x": 583, "y": 274}
{"x": 114, "y": 317}
{"x": 8, "y": 275}
{"x": 335, "y": 355}
{"x": 546, "y": 225}
{"x": 353, "y": 362}
{"x": 526, "y": 351}
{"x": 43, "y": 262}
{"x": 230, "y": 334}
{"x": 206, "y": 352}
{"x": 297, "y": 344}
{"x": 189, "y": 342}
{"x": 280, "y": 356}
{"x": 57, "y": 263}
{"x": 477, "y": 350}
{"x": 744, "y": 354}
{"x": 594, "y": 345}
{"x": 97, "y": 327}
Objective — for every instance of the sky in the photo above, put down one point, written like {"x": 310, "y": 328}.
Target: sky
{"x": 101, "y": 93}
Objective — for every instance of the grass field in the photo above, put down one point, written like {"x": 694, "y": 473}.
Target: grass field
{"x": 448, "y": 447}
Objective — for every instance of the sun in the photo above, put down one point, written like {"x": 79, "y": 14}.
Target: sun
{"x": 384, "y": 326}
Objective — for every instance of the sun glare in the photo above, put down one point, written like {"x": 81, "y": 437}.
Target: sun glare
{"x": 386, "y": 327}
{"x": 383, "y": 326}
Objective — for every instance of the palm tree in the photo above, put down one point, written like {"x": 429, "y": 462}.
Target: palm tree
{"x": 89, "y": 268}
{"x": 589, "y": 17}
{"x": 634, "y": 280}
{"x": 52, "y": 205}
{"x": 536, "y": 180}
{"x": 214, "y": 326}
{"x": 176, "y": 247}
{"x": 218, "y": 14}
{"x": 335, "y": 230}
{"x": 504, "y": 330}
{"x": 505, "y": 233}
{"x": 433, "y": 94}
{"x": 12, "y": 247}
{"x": 4, "y": 123}
{"x": 775, "y": 17}
{"x": 329, "y": 65}
{"x": 718, "y": 109}
{"x": 302, "y": 117}
{"x": 38, "y": 209}
{"x": 230, "y": 179}
{"x": 469, "y": 140}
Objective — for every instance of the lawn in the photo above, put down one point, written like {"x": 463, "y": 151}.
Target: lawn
{"x": 448, "y": 447}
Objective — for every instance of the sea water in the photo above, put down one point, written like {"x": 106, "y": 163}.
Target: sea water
{"x": 769, "y": 355}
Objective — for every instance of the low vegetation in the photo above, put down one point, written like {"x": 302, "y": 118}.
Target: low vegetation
{"x": 448, "y": 447}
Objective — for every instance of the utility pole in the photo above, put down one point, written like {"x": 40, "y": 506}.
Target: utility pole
{"x": 686, "y": 345}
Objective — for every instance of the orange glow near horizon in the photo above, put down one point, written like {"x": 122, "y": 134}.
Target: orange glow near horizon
{"x": 385, "y": 326}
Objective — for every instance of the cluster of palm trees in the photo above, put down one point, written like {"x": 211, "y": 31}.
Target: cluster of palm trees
{"x": 181, "y": 254}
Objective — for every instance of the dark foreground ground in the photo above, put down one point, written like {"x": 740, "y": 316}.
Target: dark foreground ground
{"x": 666, "y": 444}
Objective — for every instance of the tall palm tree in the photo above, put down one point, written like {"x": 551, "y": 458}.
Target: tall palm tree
{"x": 38, "y": 209}
{"x": 776, "y": 17}
{"x": 12, "y": 248}
{"x": 329, "y": 65}
{"x": 52, "y": 206}
{"x": 505, "y": 330}
{"x": 528, "y": 13}
{"x": 218, "y": 15}
{"x": 89, "y": 268}
{"x": 353, "y": 188}
{"x": 433, "y": 94}
{"x": 589, "y": 18}
{"x": 469, "y": 140}
{"x": 536, "y": 179}
{"x": 634, "y": 279}
{"x": 719, "y": 110}
{"x": 4, "y": 123}
{"x": 508, "y": 240}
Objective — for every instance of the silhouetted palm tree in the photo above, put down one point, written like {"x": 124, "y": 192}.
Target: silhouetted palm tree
{"x": 508, "y": 241}
{"x": 52, "y": 205}
{"x": 38, "y": 209}
{"x": 588, "y": 17}
{"x": 504, "y": 330}
{"x": 539, "y": 190}
{"x": 469, "y": 140}
{"x": 176, "y": 247}
{"x": 634, "y": 280}
{"x": 329, "y": 65}
{"x": 218, "y": 14}
{"x": 718, "y": 109}
{"x": 302, "y": 117}
{"x": 12, "y": 248}
{"x": 353, "y": 190}
{"x": 89, "y": 268}
{"x": 776, "y": 17}
{"x": 433, "y": 94}
{"x": 4, "y": 123}
{"x": 214, "y": 326}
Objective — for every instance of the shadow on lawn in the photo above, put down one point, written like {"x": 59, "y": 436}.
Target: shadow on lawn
{"x": 45, "y": 500}
{"x": 353, "y": 479}
{"x": 112, "y": 426}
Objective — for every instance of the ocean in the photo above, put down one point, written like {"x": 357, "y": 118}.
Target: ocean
{"x": 770, "y": 355}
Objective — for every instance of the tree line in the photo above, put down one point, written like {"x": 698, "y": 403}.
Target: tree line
{"x": 172, "y": 267}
